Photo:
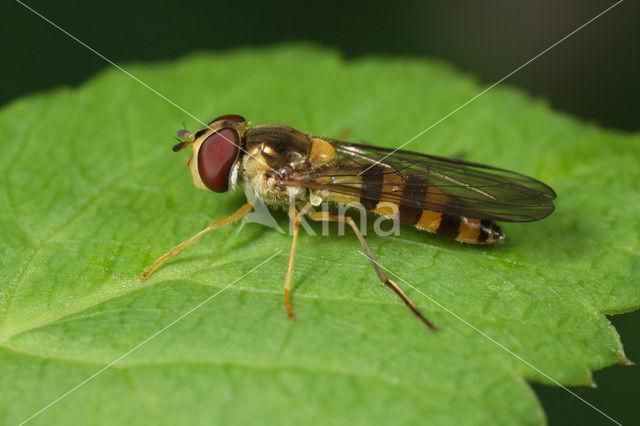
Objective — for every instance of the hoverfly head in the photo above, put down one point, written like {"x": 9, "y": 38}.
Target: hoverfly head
{"x": 215, "y": 150}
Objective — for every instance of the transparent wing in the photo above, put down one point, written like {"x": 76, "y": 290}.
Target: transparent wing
{"x": 452, "y": 186}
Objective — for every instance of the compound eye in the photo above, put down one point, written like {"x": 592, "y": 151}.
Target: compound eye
{"x": 231, "y": 117}
{"x": 216, "y": 157}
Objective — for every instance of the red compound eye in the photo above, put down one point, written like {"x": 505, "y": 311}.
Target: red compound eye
{"x": 232, "y": 117}
{"x": 215, "y": 159}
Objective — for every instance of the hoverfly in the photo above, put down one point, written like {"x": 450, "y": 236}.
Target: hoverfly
{"x": 449, "y": 197}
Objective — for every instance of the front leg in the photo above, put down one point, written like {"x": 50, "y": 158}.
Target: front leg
{"x": 239, "y": 214}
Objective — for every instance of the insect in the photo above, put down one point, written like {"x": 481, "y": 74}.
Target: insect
{"x": 285, "y": 167}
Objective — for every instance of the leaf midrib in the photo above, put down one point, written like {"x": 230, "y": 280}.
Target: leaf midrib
{"x": 375, "y": 376}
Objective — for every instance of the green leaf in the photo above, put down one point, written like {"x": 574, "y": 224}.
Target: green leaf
{"x": 92, "y": 195}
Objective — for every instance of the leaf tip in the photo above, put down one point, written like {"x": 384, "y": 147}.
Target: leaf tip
{"x": 625, "y": 361}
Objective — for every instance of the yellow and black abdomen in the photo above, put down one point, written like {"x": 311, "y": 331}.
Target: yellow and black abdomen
{"x": 460, "y": 228}
{"x": 378, "y": 183}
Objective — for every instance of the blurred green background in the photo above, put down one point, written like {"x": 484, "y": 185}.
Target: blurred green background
{"x": 592, "y": 75}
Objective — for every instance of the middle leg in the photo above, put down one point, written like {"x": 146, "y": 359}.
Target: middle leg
{"x": 294, "y": 215}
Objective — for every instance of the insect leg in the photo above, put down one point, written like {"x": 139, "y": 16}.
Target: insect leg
{"x": 327, "y": 216}
{"x": 239, "y": 214}
{"x": 295, "y": 221}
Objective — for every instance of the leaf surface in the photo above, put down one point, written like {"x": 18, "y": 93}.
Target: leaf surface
{"x": 91, "y": 195}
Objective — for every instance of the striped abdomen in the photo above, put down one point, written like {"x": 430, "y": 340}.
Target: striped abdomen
{"x": 377, "y": 182}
